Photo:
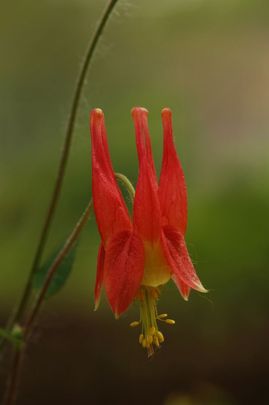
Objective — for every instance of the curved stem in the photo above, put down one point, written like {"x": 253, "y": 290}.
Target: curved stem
{"x": 63, "y": 161}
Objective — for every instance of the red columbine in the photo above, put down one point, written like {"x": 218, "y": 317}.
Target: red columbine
{"x": 139, "y": 254}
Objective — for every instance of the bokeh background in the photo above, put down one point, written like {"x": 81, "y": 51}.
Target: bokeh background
{"x": 209, "y": 61}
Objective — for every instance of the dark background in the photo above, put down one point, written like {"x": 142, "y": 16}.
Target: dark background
{"x": 207, "y": 60}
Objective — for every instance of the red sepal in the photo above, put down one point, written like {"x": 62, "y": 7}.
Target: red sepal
{"x": 124, "y": 268}
{"x": 99, "y": 276}
{"x": 110, "y": 210}
{"x": 183, "y": 272}
{"x": 172, "y": 189}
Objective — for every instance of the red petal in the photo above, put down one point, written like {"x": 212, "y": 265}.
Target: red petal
{"x": 172, "y": 190}
{"x": 99, "y": 276}
{"x": 110, "y": 209}
{"x": 147, "y": 212}
{"x": 178, "y": 258}
{"x": 124, "y": 267}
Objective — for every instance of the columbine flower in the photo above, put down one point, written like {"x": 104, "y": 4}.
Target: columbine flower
{"x": 139, "y": 254}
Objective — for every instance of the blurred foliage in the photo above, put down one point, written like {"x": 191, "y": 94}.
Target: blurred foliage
{"x": 208, "y": 60}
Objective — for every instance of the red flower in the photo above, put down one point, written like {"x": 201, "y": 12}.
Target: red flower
{"x": 138, "y": 255}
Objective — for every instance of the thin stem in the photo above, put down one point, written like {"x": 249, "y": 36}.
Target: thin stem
{"x": 63, "y": 161}
{"x": 13, "y": 381}
{"x": 16, "y": 366}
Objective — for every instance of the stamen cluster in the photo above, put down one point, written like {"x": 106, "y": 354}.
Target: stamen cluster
{"x": 150, "y": 337}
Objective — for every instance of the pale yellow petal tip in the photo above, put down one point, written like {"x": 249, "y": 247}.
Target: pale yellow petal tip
{"x": 98, "y": 111}
{"x": 96, "y": 305}
{"x": 134, "y": 110}
{"x": 201, "y": 288}
{"x": 185, "y": 298}
{"x": 117, "y": 316}
{"x": 166, "y": 111}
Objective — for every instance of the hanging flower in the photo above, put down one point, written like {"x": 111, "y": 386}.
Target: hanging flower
{"x": 139, "y": 254}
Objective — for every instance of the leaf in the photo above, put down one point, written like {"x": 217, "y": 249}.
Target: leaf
{"x": 61, "y": 275}
{"x": 11, "y": 337}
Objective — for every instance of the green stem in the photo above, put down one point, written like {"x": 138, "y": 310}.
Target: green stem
{"x": 19, "y": 314}
{"x": 13, "y": 381}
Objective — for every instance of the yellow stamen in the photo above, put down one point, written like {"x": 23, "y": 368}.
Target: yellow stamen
{"x": 170, "y": 321}
{"x": 144, "y": 343}
{"x": 141, "y": 338}
{"x": 156, "y": 341}
{"x": 160, "y": 337}
{"x": 134, "y": 324}
{"x": 149, "y": 339}
{"x": 162, "y": 316}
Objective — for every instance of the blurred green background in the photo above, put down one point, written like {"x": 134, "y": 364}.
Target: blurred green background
{"x": 209, "y": 61}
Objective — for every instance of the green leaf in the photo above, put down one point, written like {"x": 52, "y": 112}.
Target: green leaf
{"x": 61, "y": 275}
{"x": 11, "y": 337}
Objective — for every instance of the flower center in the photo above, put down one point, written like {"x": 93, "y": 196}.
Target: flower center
{"x": 150, "y": 337}
{"x": 156, "y": 271}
